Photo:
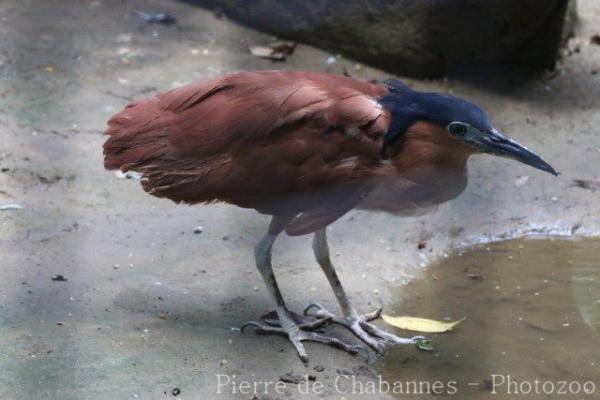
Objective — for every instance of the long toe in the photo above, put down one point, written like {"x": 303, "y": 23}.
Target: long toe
{"x": 361, "y": 327}
{"x": 305, "y": 322}
{"x": 262, "y": 328}
{"x": 296, "y": 340}
{"x": 299, "y": 334}
{"x": 378, "y": 339}
{"x": 307, "y": 336}
{"x": 315, "y": 310}
{"x": 372, "y": 316}
{"x": 387, "y": 337}
{"x": 374, "y": 342}
{"x": 329, "y": 340}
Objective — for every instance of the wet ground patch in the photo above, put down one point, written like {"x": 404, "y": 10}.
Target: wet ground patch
{"x": 532, "y": 311}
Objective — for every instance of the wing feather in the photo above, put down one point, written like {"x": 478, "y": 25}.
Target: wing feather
{"x": 279, "y": 142}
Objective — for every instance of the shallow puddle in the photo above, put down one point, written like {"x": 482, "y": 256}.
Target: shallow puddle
{"x": 532, "y": 327}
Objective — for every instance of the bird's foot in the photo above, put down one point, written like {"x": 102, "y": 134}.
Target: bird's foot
{"x": 360, "y": 325}
{"x": 298, "y": 333}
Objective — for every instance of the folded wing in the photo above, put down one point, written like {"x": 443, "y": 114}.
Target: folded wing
{"x": 284, "y": 143}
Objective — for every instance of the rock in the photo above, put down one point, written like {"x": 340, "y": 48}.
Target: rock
{"x": 415, "y": 37}
{"x": 59, "y": 278}
{"x": 292, "y": 378}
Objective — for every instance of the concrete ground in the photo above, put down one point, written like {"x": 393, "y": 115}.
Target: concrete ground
{"x": 147, "y": 305}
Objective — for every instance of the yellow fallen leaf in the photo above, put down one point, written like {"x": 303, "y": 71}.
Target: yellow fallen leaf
{"x": 421, "y": 324}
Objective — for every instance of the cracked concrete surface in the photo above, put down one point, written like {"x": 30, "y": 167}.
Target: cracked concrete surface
{"x": 148, "y": 305}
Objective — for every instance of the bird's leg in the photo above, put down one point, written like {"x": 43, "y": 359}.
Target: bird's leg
{"x": 359, "y": 324}
{"x": 286, "y": 320}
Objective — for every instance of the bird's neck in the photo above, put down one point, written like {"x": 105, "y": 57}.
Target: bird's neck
{"x": 427, "y": 168}
{"x": 428, "y": 145}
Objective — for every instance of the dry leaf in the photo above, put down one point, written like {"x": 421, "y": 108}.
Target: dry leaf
{"x": 275, "y": 51}
{"x": 421, "y": 324}
{"x": 266, "y": 52}
{"x": 283, "y": 47}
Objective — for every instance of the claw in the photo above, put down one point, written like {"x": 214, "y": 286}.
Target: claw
{"x": 363, "y": 348}
{"x": 254, "y": 324}
{"x": 423, "y": 344}
{"x": 261, "y": 328}
{"x": 312, "y": 305}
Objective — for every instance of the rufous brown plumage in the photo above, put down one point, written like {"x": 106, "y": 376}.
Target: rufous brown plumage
{"x": 285, "y": 143}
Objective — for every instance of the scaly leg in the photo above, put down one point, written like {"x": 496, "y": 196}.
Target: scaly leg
{"x": 359, "y": 324}
{"x": 287, "y": 321}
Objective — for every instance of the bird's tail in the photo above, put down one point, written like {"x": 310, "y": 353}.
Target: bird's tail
{"x": 135, "y": 137}
{"x": 139, "y": 141}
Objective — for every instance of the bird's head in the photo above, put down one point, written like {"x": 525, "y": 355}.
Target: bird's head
{"x": 459, "y": 118}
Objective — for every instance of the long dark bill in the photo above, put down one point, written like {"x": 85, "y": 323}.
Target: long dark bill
{"x": 496, "y": 143}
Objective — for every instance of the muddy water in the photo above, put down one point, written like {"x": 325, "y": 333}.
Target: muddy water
{"x": 533, "y": 313}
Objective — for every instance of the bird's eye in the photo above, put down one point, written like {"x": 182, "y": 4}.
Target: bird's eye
{"x": 457, "y": 129}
